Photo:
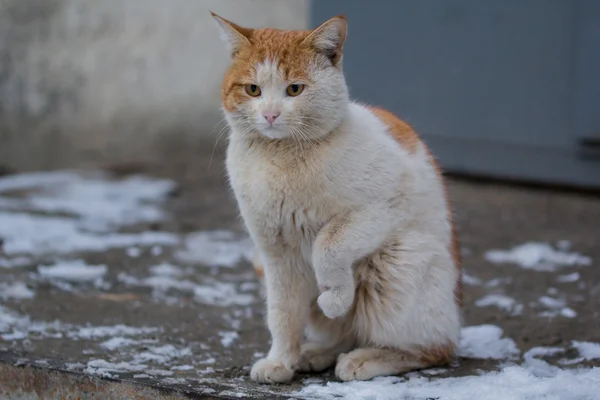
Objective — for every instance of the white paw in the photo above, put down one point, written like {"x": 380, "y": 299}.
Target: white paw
{"x": 270, "y": 371}
{"x": 350, "y": 367}
{"x": 315, "y": 358}
{"x": 336, "y": 301}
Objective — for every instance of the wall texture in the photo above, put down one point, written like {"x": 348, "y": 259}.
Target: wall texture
{"x": 87, "y": 81}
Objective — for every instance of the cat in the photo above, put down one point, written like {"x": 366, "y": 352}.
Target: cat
{"x": 347, "y": 209}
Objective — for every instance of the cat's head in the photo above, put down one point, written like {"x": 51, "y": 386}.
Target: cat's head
{"x": 285, "y": 84}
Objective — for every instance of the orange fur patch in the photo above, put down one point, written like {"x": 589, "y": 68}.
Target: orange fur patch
{"x": 400, "y": 130}
{"x": 437, "y": 355}
{"x": 293, "y": 56}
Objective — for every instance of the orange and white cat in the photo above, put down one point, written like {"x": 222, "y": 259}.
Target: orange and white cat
{"x": 347, "y": 210}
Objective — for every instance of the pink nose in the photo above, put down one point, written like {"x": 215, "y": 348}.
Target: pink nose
{"x": 271, "y": 116}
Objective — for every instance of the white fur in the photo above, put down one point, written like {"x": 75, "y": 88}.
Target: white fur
{"x": 319, "y": 205}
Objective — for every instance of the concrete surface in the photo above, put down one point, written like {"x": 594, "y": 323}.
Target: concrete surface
{"x": 191, "y": 342}
{"x": 86, "y": 81}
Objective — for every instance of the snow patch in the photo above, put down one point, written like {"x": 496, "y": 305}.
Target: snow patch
{"x": 73, "y": 271}
{"x": 14, "y": 262}
{"x": 486, "y": 342}
{"x": 94, "y": 332}
{"x": 117, "y": 343}
{"x": 107, "y": 369}
{"x": 15, "y": 290}
{"x": 227, "y": 338}
{"x": 161, "y": 354}
{"x": 221, "y": 294}
{"x": 537, "y": 256}
{"x": 502, "y": 302}
{"x": 555, "y": 307}
{"x": 471, "y": 280}
{"x": 166, "y": 269}
{"x": 29, "y": 234}
{"x": 587, "y": 350}
{"x": 574, "y": 277}
{"x": 515, "y": 383}
{"x": 219, "y": 248}
{"x": 97, "y": 201}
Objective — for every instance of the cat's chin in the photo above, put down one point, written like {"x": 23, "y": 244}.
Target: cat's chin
{"x": 275, "y": 133}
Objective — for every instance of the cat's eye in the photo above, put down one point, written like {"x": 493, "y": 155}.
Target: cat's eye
{"x": 294, "y": 90}
{"x": 253, "y": 90}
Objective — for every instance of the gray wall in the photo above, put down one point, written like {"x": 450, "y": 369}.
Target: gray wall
{"x": 497, "y": 88}
{"x": 88, "y": 81}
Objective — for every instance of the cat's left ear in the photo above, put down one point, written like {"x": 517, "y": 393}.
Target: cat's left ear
{"x": 232, "y": 34}
{"x": 329, "y": 38}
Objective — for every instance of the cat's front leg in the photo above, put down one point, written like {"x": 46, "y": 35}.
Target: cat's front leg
{"x": 289, "y": 292}
{"x": 345, "y": 239}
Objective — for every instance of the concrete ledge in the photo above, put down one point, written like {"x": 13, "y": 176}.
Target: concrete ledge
{"x": 28, "y": 382}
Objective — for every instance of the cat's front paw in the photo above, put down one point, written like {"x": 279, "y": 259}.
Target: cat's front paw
{"x": 270, "y": 371}
{"x": 336, "y": 301}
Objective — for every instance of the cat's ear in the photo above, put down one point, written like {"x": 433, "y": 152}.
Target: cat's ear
{"x": 329, "y": 38}
{"x": 234, "y": 36}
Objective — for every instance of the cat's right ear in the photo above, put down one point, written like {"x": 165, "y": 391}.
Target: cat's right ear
{"x": 234, "y": 36}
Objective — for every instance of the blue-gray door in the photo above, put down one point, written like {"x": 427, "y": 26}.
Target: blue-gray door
{"x": 508, "y": 89}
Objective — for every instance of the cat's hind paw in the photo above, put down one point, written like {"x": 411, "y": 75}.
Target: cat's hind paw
{"x": 270, "y": 371}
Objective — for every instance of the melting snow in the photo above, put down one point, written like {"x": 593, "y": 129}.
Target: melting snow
{"x": 118, "y": 342}
{"x": 98, "y": 201}
{"x": 555, "y": 307}
{"x": 89, "y": 204}
{"x": 502, "y": 302}
{"x": 106, "y": 369}
{"x": 161, "y": 354}
{"x": 216, "y": 293}
{"x": 73, "y": 271}
{"x": 587, "y": 350}
{"x": 537, "y": 256}
{"x": 182, "y": 367}
{"x": 14, "y": 262}
{"x": 471, "y": 280}
{"x": 166, "y": 269}
{"x": 218, "y": 248}
{"x": 15, "y": 290}
{"x": 533, "y": 380}
{"x": 92, "y": 332}
{"x": 574, "y": 277}
{"x": 515, "y": 383}
{"x": 59, "y": 235}
{"x": 227, "y": 338}
{"x": 486, "y": 342}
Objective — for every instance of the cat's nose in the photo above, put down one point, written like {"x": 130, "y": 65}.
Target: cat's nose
{"x": 271, "y": 116}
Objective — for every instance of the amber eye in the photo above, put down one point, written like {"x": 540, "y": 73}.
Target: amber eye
{"x": 294, "y": 90}
{"x": 253, "y": 90}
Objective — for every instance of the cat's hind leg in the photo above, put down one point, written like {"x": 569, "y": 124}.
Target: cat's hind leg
{"x": 367, "y": 363}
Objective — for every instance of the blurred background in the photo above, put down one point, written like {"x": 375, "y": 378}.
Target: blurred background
{"x": 141, "y": 272}
{"x": 86, "y": 82}
{"x": 498, "y": 89}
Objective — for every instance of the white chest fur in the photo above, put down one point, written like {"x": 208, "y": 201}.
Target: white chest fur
{"x": 283, "y": 199}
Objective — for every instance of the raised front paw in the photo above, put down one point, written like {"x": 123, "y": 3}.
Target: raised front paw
{"x": 270, "y": 371}
{"x": 336, "y": 301}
